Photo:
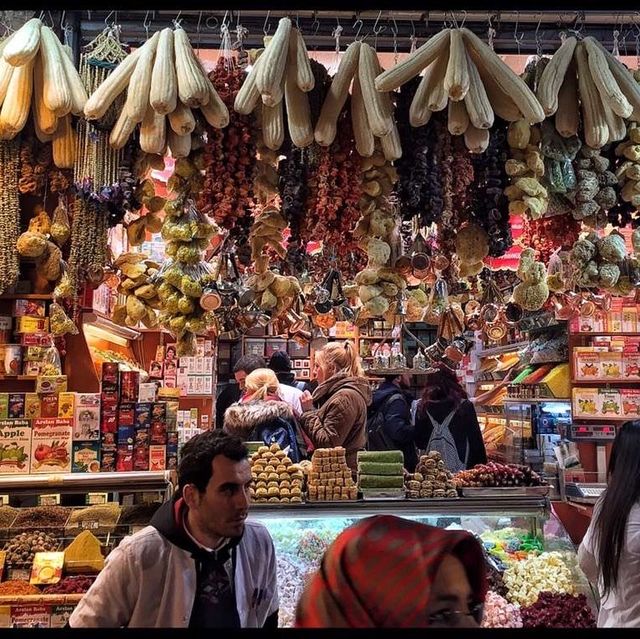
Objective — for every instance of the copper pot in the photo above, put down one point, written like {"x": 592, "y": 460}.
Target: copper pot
{"x": 403, "y": 265}
{"x": 210, "y": 300}
{"x": 513, "y": 313}
{"x": 421, "y": 273}
{"x": 441, "y": 263}
{"x": 602, "y": 301}
{"x": 562, "y": 308}
{"x": 295, "y": 321}
{"x": 325, "y": 320}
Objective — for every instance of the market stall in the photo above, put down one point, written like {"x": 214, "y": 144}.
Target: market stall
{"x": 179, "y": 189}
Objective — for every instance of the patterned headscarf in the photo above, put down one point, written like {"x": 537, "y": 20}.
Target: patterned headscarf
{"x": 379, "y": 572}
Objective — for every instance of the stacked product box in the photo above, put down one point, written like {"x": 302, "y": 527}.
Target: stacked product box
{"x": 618, "y": 404}
{"x": 190, "y": 375}
{"x": 615, "y": 358}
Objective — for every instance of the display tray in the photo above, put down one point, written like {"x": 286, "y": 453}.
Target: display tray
{"x": 433, "y": 500}
{"x": 509, "y": 491}
{"x": 383, "y": 498}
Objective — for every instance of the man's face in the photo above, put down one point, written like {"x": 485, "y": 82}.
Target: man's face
{"x": 240, "y": 377}
{"x": 223, "y": 508}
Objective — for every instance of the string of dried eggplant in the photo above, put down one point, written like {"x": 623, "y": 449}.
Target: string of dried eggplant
{"x": 9, "y": 213}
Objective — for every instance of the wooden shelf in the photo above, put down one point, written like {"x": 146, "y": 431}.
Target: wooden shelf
{"x": 372, "y": 338}
{"x": 599, "y": 334}
{"x": 19, "y": 378}
{"x": 606, "y": 382}
{"x": 602, "y": 419}
{"x": 500, "y": 350}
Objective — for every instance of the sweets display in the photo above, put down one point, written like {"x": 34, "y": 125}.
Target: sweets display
{"x": 499, "y": 613}
{"x": 558, "y": 610}
{"x": 494, "y": 474}
{"x": 330, "y": 478}
{"x": 380, "y": 474}
{"x": 431, "y": 479}
{"x": 276, "y": 478}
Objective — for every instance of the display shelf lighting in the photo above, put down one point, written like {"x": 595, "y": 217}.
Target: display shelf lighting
{"x": 103, "y": 328}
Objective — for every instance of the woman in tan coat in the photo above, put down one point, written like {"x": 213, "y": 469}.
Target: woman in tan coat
{"x": 336, "y": 413}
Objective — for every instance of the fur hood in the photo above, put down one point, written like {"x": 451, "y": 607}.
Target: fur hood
{"x": 241, "y": 418}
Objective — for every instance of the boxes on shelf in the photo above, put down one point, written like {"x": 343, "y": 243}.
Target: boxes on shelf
{"x": 15, "y": 446}
{"x": 51, "y": 445}
{"x": 24, "y": 307}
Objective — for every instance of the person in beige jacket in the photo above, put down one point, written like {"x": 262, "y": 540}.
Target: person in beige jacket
{"x": 336, "y": 413}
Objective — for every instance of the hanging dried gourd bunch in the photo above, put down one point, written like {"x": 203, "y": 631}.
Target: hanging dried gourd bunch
{"x": 463, "y": 75}
{"x": 165, "y": 82}
{"x": 37, "y": 69}
{"x": 9, "y": 214}
{"x": 282, "y": 74}
{"x": 584, "y": 74}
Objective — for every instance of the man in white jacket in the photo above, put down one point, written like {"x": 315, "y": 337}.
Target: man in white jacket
{"x": 199, "y": 564}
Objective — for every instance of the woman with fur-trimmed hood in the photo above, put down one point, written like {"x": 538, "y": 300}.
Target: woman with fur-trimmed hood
{"x": 262, "y": 415}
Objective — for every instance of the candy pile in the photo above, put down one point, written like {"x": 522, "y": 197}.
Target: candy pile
{"x": 526, "y": 579}
{"x": 330, "y": 478}
{"x": 499, "y": 613}
{"x": 555, "y": 610}
{"x": 498, "y": 475}
{"x": 511, "y": 543}
{"x": 276, "y": 479}
{"x": 431, "y": 479}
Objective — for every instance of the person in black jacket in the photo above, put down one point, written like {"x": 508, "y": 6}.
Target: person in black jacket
{"x": 446, "y": 421}
{"x": 394, "y": 399}
{"x": 280, "y": 364}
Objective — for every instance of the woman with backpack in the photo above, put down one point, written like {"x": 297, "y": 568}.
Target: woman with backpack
{"x": 336, "y": 413}
{"x": 262, "y": 415}
{"x": 446, "y": 422}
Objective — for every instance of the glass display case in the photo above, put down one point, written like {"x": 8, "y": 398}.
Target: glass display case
{"x": 302, "y": 534}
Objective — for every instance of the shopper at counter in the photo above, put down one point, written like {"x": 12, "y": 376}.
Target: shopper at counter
{"x": 389, "y": 424}
{"x": 199, "y": 564}
{"x": 390, "y": 572}
{"x": 263, "y": 415}
{"x": 280, "y": 364}
{"x": 446, "y": 421}
{"x": 609, "y": 554}
{"x": 336, "y": 413}
{"x": 232, "y": 392}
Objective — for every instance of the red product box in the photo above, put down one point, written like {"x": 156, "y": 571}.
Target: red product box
{"x": 126, "y": 415}
{"x": 109, "y": 421}
{"x": 110, "y": 377}
{"x": 108, "y": 461}
{"x": 108, "y": 442}
{"x": 159, "y": 433}
{"x": 157, "y": 458}
{"x": 141, "y": 458}
{"x": 35, "y": 339}
{"x": 142, "y": 437}
{"x": 49, "y": 405}
{"x": 124, "y": 459}
{"x": 109, "y": 399}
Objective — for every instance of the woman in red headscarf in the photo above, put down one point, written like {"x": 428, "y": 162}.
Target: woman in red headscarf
{"x": 389, "y": 572}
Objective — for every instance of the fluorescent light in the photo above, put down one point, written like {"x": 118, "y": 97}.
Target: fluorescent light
{"x": 100, "y": 333}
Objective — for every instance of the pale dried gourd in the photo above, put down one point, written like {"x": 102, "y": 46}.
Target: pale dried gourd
{"x": 164, "y": 83}
{"x": 57, "y": 95}
{"x": 193, "y": 86}
{"x": 24, "y": 44}
{"x": 140, "y": 81}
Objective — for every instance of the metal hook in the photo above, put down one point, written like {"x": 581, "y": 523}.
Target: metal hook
{"x": 225, "y": 20}
{"x": 377, "y": 32}
{"x": 515, "y": 33}
{"x": 360, "y": 25}
{"x": 315, "y": 23}
{"x": 176, "y": 21}
{"x": 106, "y": 20}
{"x": 464, "y": 18}
{"x": 62, "y": 17}
{"x": 146, "y": 23}
{"x": 266, "y": 27}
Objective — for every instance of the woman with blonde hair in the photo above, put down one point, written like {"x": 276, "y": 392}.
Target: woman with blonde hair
{"x": 336, "y": 413}
{"x": 262, "y": 415}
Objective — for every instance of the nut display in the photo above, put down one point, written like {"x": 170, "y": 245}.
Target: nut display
{"x": 431, "y": 479}
{"x": 41, "y": 517}
{"x": 22, "y": 548}
{"x": 330, "y": 478}
{"x": 275, "y": 478}
{"x": 496, "y": 474}
{"x": 101, "y": 518}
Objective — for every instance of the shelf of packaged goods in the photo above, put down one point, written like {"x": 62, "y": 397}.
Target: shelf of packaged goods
{"x": 500, "y": 350}
{"x": 489, "y": 410}
{"x": 27, "y": 296}
{"x": 481, "y": 506}
{"x": 135, "y": 481}
{"x": 617, "y": 420}
{"x": 376, "y": 338}
{"x": 537, "y": 400}
{"x": 599, "y": 334}
{"x": 605, "y": 382}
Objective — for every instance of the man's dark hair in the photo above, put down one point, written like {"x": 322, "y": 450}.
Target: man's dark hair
{"x": 199, "y": 452}
{"x": 249, "y": 363}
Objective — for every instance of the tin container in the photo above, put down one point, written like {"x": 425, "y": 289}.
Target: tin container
{"x": 12, "y": 359}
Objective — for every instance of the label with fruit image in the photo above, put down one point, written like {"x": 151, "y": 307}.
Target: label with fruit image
{"x": 15, "y": 446}
{"x": 51, "y": 445}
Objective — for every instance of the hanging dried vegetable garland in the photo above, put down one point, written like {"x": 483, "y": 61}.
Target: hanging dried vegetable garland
{"x": 9, "y": 213}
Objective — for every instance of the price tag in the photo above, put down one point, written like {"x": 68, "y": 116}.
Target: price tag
{"x": 89, "y": 524}
{"x": 4, "y": 500}
{"x": 127, "y": 500}
{"x": 150, "y": 498}
{"x": 55, "y": 480}
{"x": 97, "y": 498}
{"x": 21, "y": 574}
{"x": 49, "y": 500}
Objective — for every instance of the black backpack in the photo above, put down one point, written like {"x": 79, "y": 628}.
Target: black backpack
{"x": 377, "y": 439}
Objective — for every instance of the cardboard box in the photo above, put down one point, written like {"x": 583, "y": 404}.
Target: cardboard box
{"x": 141, "y": 458}
{"x": 51, "y": 384}
{"x": 66, "y": 405}
{"x": 585, "y": 402}
{"x": 109, "y": 400}
{"x": 110, "y": 380}
{"x": 143, "y": 415}
{"x": 609, "y": 404}
{"x": 16, "y": 406}
{"x": 108, "y": 461}
{"x": 4, "y": 405}
{"x": 124, "y": 458}
{"x": 85, "y": 457}
{"x": 34, "y": 308}
{"x": 157, "y": 457}
{"x": 630, "y": 398}
{"x": 172, "y": 457}
{"x": 127, "y": 414}
{"x": 142, "y": 437}
{"x": 631, "y": 366}
{"x": 30, "y": 616}
{"x": 50, "y": 405}
{"x": 630, "y": 318}
{"x": 159, "y": 412}
{"x": 172, "y": 415}
{"x": 15, "y": 446}
{"x": 32, "y": 406}
{"x": 587, "y": 365}
{"x": 86, "y": 423}
{"x": 28, "y": 324}
{"x": 611, "y": 365}
{"x": 126, "y": 435}
{"x": 147, "y": 392}
{"x": 51, "y": 445}
{"x": 108, "y": 442}
{"x": 158, "y": 434}
{"x": 88, "y": 400}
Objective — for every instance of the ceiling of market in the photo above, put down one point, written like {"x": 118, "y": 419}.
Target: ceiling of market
{"x": 522, "y": 32}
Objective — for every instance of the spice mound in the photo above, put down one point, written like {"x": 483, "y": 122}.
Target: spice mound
{"x": 70, "y": 586}
{"x": 101, "y": 519}
{"x": 41, "y": 517}
{"x": 18, "y": 587}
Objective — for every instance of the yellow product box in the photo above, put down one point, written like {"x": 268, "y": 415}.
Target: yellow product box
{"x": 585, "y": 402}
{"x": 46, "y": 568}
{"x": 630, "y": 318}
{"x": 29, "y": 324}
{"x": 66, "y": 405}
{"x": 51, "y": 384}
{"x": 609, "y": 404}
{"x": 31, "y": 405}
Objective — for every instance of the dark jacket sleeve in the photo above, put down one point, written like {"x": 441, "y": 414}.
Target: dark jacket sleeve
{"x": 271, "y": 622}
{"x": 230, "y": 394}
{"x": 424, "y": 428}
{"x": 477, "y": 452}
{"x": 397, "y": 421}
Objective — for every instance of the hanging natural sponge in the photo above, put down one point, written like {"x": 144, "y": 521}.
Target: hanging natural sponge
{"x": 533, "y": 291}
{"x": 472, "y": 247}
